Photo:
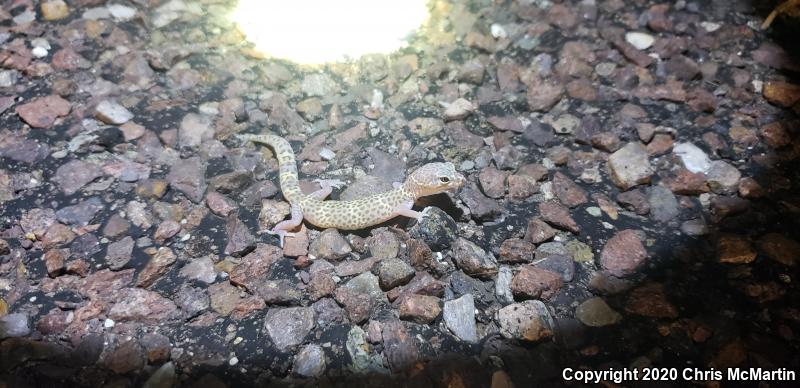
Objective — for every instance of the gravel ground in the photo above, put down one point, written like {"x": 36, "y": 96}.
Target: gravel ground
{"x": 631, "y": 198}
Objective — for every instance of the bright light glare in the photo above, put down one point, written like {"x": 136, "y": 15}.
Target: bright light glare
{"x": 320, "y": 31}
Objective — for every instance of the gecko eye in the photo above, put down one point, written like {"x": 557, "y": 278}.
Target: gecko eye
{"x": 444, "y": 179}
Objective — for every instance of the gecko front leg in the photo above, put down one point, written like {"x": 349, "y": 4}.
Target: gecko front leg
{"x": 404, "y": 209}
{"x": 282, "y": 228}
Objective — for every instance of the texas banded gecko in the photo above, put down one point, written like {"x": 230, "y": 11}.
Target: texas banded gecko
{"x": 432, "y": 178}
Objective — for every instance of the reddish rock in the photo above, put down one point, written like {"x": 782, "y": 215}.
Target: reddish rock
{"x": 54, "y": 261}
{"x": 686, "y": 182}
{"x": 422, "y": 284}
{"x": 515, "y": 250}
{"x": 533, "y": 283}
{"x": 420, "y": 254}
{"x": 157, "y": 347}
{"x": 255, "y": 267}
{"x": 567, "y": 191}
{"x": 634, "y": 200}
{"x": 127, "y": 357}
{"x": 557, "y": 215}
{"x": 493, "y": 182}
{"x": 320, "y": 285}
{"x": 68, "y": 59}
{"x": 661, "y": 144}
{"x": 623, "y": 253}
{"x": 582, "y": 89}
{"x": 521, "y": 187}
{"x": 166, "y": 230}
{"x": 139, "y": 305}
{"x": 358, "y": 305}
{"x": 421, "y": 309}
{"x": 219, "y": 204}
{"x": 606, "y": 141}
{"x": 649, "y": 300}
{"x": 42, "y": 112}
{"x": 542, "y": 95}
{"x": 156, "y": 267}
{"x": 538, "y": 231}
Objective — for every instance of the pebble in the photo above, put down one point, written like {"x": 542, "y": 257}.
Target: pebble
{"x": 288, "y": 327}
{"x": 623, "y": 254}
{"x": 310, "y": 361}
{"x": 473, "y": 260}
{"x": 528, "y": 321}
{"x": 459, "y": 317}
{"x": 112, "y": 113}
{"x": 594, "y": 312}
{"x": 630, "y": 166}
{"x": 640, "y": 40}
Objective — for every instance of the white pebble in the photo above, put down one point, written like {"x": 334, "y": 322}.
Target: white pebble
{"x": 710, "y": 26}
{"x": 233, "y": 361}
{"x": 39, "y": 52}
{"x": 327, "y": 154}
{"x": 640, "y": 40}
{"x": 121, "y": 13}
{"x": 498, "y": 31}
{"x": 108, "y": 323}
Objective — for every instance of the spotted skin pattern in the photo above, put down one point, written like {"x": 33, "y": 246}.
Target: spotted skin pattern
{"x": 432, "y": 178}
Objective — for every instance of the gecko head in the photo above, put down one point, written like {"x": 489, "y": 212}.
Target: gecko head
{"x": 434, "y": 178}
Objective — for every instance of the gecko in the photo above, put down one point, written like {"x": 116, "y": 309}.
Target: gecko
{"x": 429, "y": 179}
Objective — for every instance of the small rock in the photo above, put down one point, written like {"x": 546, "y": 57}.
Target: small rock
{"x": 14, "y": 325}
{"x": 649, "y": 300}
{"x": 538, "y": 231}
{"x": 118, "y": 253}
{"x": 529, "y": 321}
{"x": 459, "y": 316}
{"x": 75, "y": 174}
{"x": 421, "y": 309}
{"x": 515, "y": 250}
{"x": 558, "y": 215}
{"x": 630, "y": 166}
{"x": 533, "y": 282}
{"x": 394, "y": 272}
{"x": 200, "y": 269}
{"x": 569, "y": 193}
{"x": 663, "y": 204}
{"x": 493, "y": 181}
{"x": 473, "y": 260}
{"x": 693, "y": 158}
{"x": 166, "y": 230}
{"x": 156, "y": 267}
{"x": 310, "y": 361}
{"x": 330, "y": 245}
{"x": 112, "y": 113}
{"x": 54, "y": 9}
{"x": 722, "y": 177}
{"x": 458, "y": 110}
{"x": 594, "y": 312}
{"x": 289, "y": 326}
{"x": 623, "y": 253}
{"x": 238, "y": 236}
{"x": 438, "y": 230}
{"x": 640, "y": 40}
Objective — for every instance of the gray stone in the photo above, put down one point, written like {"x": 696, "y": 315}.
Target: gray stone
{"x": 200, "y": 268}
{"x": 119, "y": 253}
{"x": 188, "y": 177}
{"x": 663, "y": 204}
{"x": 502, "y": 285}
{"x": 310, "y": 361}
{"x": 289, "y": 326}
{"x": 80, "y": 214}
{"x": 459, "y": 316}
{"x": 437, "y": 229}
{"x": 14, "y": 325}
{"x": 112, "y": 113}
{"x": 722, "y": 177}
{"x": 393, "y": 273}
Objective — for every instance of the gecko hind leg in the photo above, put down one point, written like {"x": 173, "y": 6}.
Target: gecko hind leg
{"x": 327, "y": 186}
{"x": 282, "y": 228}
